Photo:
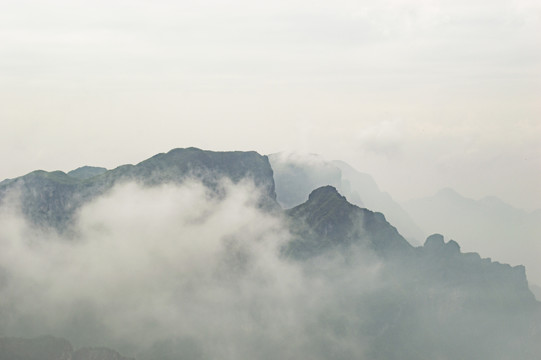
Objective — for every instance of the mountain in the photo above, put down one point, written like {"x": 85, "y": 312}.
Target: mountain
{"x": 357, "y": 185}
{"x": 297, "y": 175}
{"x": 51, "y": 348}
{"x": 52, "y": 198}
{"x": 456, "y": 296}
{"x": 86, "y": 172}
{"x": 182, "y": 275}
{"x": 488, "y": 226}
{"x": 327, "y": 220}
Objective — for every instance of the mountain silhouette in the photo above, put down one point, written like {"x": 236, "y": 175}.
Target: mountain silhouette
{"x": 356, "y": 279}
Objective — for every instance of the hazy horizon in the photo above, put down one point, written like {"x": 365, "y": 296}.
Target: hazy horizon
{"x": 420, "y": 94}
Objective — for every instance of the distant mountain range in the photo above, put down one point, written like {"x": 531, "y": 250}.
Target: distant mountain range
{"x": 297, "y": 175}
{"x": 367, "y": 285}
{"x": 488, "y": 226}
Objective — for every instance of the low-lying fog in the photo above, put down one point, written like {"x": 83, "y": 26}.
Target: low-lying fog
{"x": 174, "y": 272}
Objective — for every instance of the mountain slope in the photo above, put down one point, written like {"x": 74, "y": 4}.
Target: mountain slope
{"x": 488, "y": 226}
{"x": 327, "y": 220}
{"x": 297, "y": 175}
{"x": 362, "y": 186}
{"x": 51, "y": 198}
{"x": 433, "y": 301}
{"x": 173, "y": 273}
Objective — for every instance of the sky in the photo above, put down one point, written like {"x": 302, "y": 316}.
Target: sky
{"x": 420, "y": 94}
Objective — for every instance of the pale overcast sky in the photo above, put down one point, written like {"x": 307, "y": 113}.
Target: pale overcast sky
{"x": 421, "y": 94}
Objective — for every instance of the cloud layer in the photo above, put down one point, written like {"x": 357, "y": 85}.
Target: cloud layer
{"x": 173, "y": 269}
{"x": 177, "y": 272}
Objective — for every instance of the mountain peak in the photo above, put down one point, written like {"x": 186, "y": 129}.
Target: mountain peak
{"x": 327, "y": 192}
{"x": 435, "y": 243}
{"x": 327, "y": 203}
{"x": 328, "y": 220}
{"x": 86, "y": 172}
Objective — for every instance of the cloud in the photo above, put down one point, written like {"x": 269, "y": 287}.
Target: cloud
{"x": 173, "y": 268}
{"x": 382, "y": 138}
{"x": 175, "y": 272}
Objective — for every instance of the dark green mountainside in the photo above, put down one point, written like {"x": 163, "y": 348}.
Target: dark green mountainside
{"x": 51, "y": 198}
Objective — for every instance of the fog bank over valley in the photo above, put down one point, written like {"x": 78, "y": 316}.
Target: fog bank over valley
{"x": 205, "y": 267}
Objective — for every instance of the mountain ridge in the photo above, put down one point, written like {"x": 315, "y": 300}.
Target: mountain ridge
{"x": 488, "y": 226}
{"x": 297, "y": 175}
{"x": 51, "y": 198}
{"x": 361, "y": 279}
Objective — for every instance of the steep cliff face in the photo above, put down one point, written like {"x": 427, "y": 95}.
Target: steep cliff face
{"x": 51, "y": 198}
{"x": 327, "y": 220}
{"x": 297, "y": 176}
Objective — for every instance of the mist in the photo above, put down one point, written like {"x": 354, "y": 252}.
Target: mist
{"x": 172, "y": 267}
{"x": 179, "y": 272}
{"x": 488, "y": 226}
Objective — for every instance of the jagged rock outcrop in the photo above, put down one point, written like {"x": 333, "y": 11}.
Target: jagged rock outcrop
{"x": 297, "y": 175}
{"x": 488, "y": 226}
{"x": 444, "y": 263}
{"x": 327, "y": 220}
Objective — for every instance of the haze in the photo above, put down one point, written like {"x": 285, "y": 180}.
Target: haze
{"x": 420, "y": 94}
{"x": 176, "y": 272}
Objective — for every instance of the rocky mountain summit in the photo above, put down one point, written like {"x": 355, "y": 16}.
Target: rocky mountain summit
{"x": 297, "y": 175}
{"x": 328, "y": 220}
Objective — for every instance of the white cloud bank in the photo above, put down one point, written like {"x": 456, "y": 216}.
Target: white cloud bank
{"x": 175, "y": 268}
